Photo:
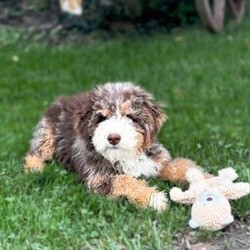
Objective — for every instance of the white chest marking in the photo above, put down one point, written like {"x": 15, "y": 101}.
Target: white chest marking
{"x": 140, "y": 166}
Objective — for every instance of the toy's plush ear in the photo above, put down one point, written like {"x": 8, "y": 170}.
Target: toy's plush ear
{"x": 228, "y": 173}
{"x": 194, "y": 174}
{"x": 228, "y": 220}
{"x": 193, "y": 223}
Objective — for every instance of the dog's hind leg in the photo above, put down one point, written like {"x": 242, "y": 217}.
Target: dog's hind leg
{"x": 41, "y": 148}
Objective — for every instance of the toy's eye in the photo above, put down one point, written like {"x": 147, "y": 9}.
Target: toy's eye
{"x": 101, "y": 118}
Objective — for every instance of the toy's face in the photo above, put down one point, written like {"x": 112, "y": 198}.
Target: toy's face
{"x": 211, "y": 211}
{"x": 209, "y": 198}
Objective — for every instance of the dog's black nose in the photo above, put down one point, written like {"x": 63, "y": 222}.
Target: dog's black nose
{"x": 114, "y": 139}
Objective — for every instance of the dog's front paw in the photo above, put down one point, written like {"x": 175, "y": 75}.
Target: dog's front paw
{"x": 33, "y": 164}
{"x": 158, "y": 201}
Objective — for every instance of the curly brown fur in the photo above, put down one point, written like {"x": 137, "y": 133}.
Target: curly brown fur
{"x": 108, "y": 136}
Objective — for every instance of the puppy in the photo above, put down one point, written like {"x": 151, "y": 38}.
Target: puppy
{"x": 108, "y": 136}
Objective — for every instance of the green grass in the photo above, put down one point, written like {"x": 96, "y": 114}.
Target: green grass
{"x": 203, "y": 79}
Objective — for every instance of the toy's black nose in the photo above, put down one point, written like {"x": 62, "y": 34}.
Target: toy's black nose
{"x": 114, "y": 139}
{"x": 209, "y": 199}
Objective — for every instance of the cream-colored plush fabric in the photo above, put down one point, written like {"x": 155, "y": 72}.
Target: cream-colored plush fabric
{"x": 211, "y": 209}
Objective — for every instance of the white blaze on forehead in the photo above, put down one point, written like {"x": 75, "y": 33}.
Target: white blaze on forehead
{"x": 116, "y": 125}
{"x": 117, "y": 111}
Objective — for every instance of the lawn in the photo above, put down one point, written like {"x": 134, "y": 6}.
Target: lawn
{"x": 203, "y": 79}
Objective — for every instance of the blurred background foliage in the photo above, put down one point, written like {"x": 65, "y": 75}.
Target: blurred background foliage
{"x": 142, "y": 16}
{"x": 45, "y": 20}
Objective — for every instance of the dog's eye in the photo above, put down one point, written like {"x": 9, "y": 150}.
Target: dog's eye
{"x": 132, "y": 118}
{"x": 101, "y": 118}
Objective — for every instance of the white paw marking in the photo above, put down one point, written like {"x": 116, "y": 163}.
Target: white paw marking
{"x": 158, "y": 201}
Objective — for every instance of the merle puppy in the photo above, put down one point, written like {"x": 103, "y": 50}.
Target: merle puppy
{"x": 108, "y": 136}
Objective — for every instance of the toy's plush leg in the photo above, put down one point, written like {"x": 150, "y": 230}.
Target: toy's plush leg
{"x": 138, "y": 192}
{"x": 175, "y": 170}
{"x": 42, "y": 147}
{"x": 235, "y": 190}
{"x": 177, "y": 195}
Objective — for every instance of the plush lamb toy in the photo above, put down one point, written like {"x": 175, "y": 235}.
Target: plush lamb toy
{"x": 211, "y": 209}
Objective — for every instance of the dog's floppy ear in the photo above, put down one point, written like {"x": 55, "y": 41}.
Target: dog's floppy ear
{"x": 158, "y": 114}
{"x": 82, "y": 115}
{"x": 156, "y": 118}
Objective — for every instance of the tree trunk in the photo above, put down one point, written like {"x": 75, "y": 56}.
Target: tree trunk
{"x": 238, "y": 8}
{"x": 212, "y": 16}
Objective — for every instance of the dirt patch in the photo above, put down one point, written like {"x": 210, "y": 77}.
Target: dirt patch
{"x": 235, "y": 236}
